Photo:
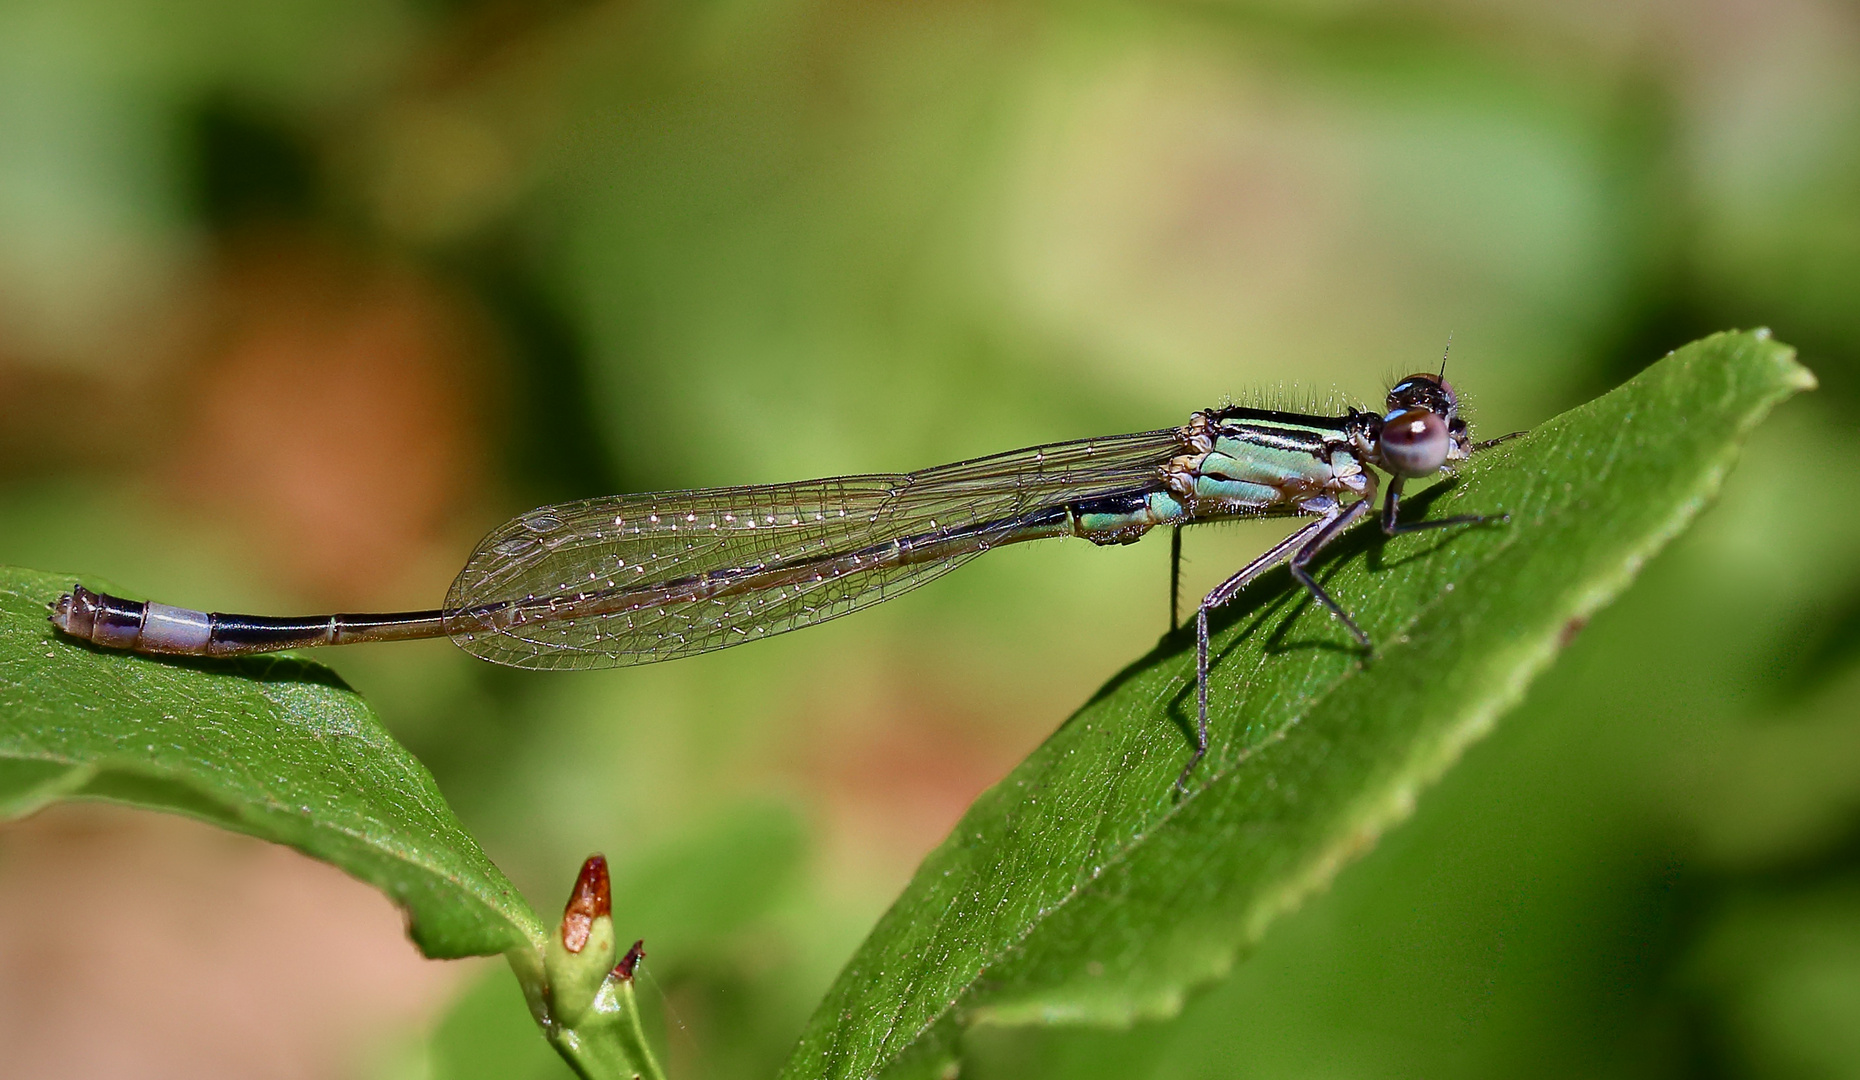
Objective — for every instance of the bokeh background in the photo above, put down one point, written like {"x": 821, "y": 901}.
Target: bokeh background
{"x": 297, "y": 299}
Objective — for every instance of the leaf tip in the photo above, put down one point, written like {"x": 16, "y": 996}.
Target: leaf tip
{"x": 1796, "y": 377}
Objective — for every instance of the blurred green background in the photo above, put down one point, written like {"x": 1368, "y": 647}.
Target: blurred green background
{"x": 298, "y": 299}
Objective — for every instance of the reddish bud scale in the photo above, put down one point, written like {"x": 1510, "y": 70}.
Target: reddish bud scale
{"x": 592, "y": 898}
{"x": 631, "y": 960}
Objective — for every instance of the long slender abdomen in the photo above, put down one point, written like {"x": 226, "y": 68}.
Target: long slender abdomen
{"x": 135, "y": 626}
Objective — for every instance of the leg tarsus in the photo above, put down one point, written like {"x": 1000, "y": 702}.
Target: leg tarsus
{"x": 1181, "y": 782}
{"x": 1392, "y": 525}
{"x": 1440, "y": 523}
{"x": 1310, "y": 583}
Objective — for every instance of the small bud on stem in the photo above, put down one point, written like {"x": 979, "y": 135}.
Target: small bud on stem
{"x": 581, "y": 957}
{"x": 592, "y": 898}
{"x": 580, "y": 995}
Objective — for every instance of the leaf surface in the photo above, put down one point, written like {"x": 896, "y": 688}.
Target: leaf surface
{"x": 275, "y": 747}
{"x": 1082, "y": 889}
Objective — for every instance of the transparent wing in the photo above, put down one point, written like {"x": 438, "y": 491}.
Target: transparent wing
{"x": 636, "y": 578}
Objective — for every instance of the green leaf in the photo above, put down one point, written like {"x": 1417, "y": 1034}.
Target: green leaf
{"x": 275, "y": 747}
{"x": 1082, "y": 889}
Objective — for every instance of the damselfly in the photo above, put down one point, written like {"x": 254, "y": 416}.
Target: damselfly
{"x": 634, "y": 579}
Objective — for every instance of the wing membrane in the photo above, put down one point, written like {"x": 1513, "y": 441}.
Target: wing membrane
{"x": 633, "y": 579}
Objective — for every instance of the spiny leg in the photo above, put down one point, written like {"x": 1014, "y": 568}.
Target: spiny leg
{"x": 1301, "y": 547}
{"x": 1392, "y": 524}
{"x": 1332, "y": 529}
{"x": 1391, "y": 516}
{"x": 1222, "y": 593}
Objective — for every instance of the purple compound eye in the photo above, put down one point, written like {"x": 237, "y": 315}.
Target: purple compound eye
{"x": 1414, "y": 442}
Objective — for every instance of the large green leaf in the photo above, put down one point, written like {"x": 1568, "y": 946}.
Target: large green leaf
{"x": 275, "y": 747}
{"x": 1082, "y": 889}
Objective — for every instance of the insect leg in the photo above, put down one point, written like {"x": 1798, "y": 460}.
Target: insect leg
{"x": 1332, "y": 528}
{"x": 1222, "y": 593}
{"x": 1175, "y": 577}
{"x": 1394, "y": 526}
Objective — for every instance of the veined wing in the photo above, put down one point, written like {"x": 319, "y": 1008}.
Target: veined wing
{"x": 632, "y": 579}
{"x": 1024, "y": 480}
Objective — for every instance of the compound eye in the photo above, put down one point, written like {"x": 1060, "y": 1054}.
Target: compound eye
{"x": 1423, "y": 390}
{"x": 1415, "y": 442}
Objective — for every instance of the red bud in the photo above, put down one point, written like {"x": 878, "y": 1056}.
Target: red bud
{"x": 631, "y": 960}
{"x": 593, "y": 897}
